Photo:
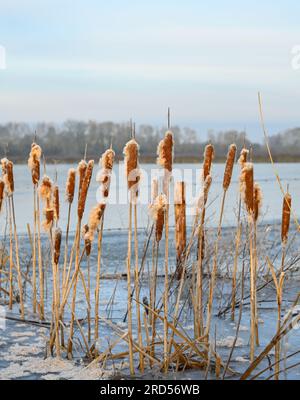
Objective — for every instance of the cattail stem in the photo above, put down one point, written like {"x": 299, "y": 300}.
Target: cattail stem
{"x": 235, "y": 262}
{"x": 40, "y": 261}
{"x": 166, "y": 283}
{"x": 97, "y": 290}
{"x": 252, "y": 290}
{"x": 137, "y": 286}
{"x": 17, "y": 257}
{"x": 11, "y": 263}
{"x": 34, "y": 253}
{"x": 129, "y": 299}
{"x": 214, "y": 271}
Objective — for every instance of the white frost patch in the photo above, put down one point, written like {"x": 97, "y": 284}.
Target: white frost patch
{"x": 23, "y": 334}
{"x": 229, "y": 341}
{"x": 260, "y": 321}
{"x": 244, "y": 328}
{"x": 241, "y": 359}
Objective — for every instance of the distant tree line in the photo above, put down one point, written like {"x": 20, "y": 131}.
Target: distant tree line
{"x": 66, "y": 142}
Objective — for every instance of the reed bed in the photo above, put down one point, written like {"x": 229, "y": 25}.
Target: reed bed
{"x": 188, "y": 288}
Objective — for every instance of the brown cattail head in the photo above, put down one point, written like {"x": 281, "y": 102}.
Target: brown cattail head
{"x": 247, "y": 186}
{"x": 2, "y": 189}
{"x": 87, "y": 242}
{"x": 209, "y": 153}
{"x": 84, "y": 188}
{"x": 49, "y": 217}
{"x": 46, "y": 189}
{"x": 157, "y": 211}
{"x": 131, "y": 153}
{"x": 56, "y": 202}
{"x": 70, "y": 186}
{"x": 104, "y": 176}
{"x": 165, "y": 152}
{"x": 206, "y": 187}
{"x": 82, "y": 166}
{"x": 229, "y": 166}
{"x": 95, "y": 216}
{"x": 180, "y": 218}
{"x": 4, "y": 162}
{"x": 286, "y": 216}
{"x": 57, "y": 243}
{"x": 243, "y": 157}
{"x": 9, "y": 178}
{"x": 34, "y": 162}
{"x": 257, "y": 201}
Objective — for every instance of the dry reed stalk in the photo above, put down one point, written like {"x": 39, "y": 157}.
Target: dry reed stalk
{"x": 8, "y": 178}
{"x": 279, "y": 291}
{"x": 69, "y": 195}
{"x": 56, "y": 286}
{"x": 83, "y": 190}
{"x": 180, "y": 224}
{"x": 165, "y": 160}
{"x": 226, "y": 183}
{"x": 247, "y": 193}
{"x": 242, "y": 161}
{"x": 257, "y": 204}
{"x": 34, "y": 166}
{"x": 198, "y": 318}
{"x": 88, "y": 248}
{"x": 208, "y": 158}
{"x": 40, "y": 261}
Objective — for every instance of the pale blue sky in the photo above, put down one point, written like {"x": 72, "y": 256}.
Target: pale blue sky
{"x": 110, "y": 60}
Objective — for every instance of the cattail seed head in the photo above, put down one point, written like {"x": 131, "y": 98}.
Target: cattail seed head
{"x": 70, "y": 186}
{"x": 243, "y": 157}
{"x": 82, "y": 166}
{"x": 49, "y": 217}
{"x": 180, "y": 218}
{"x": 2, "y": 190}
{"x": 57, "y": 243}
{"x": 157, "y": 211}
{"x": 131, "y": 153}
{"x": 286, "y": 216}
{"x": 104, "y": 175}
{"x": 84, "y": 188}
{"x": 4, "y": 162}
{"x": 257, "y": 201}
{"x": 165, "y": 152}
{"x": 87, "y": 241}
{"x": 209, "y": 153}
{"x": 229, "y": 166}
{"x": 56, "y": 202}
{"x": 247, "y": 186}
{"x": 95, "y": 216}
{"x": 9, "y": 178}
{"x": 34, "y": 162}
{"x": 46, "y": 189}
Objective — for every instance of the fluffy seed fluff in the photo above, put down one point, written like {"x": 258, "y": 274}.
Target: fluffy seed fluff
{"x": 4, "y": 162}
{"x": 180, "y": 218}
{"x": 131, "y": 154}
{"x": 154, "y": 189}
{"x": 229, "y": 166}
{"x": 49, "y": 216}
{"x": 243, "y": 157}
{"x": 70, "y": 185}
{"x": 286, "y": 216}
{"x": 34, "y": 162}
{"x": 104, "y": 175}
{"x": 165, "y": 152}
{"x": 9, "y": 177}
{"x": 209, "y": 153}
{"x": 157, "y": 212}
{"x": 257, "y": 201}
{"x": 87, "y": 242}
{"x": 45, "y": 189}
{"x": 247, "y": 186}
{"x": 95, "y": 216}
